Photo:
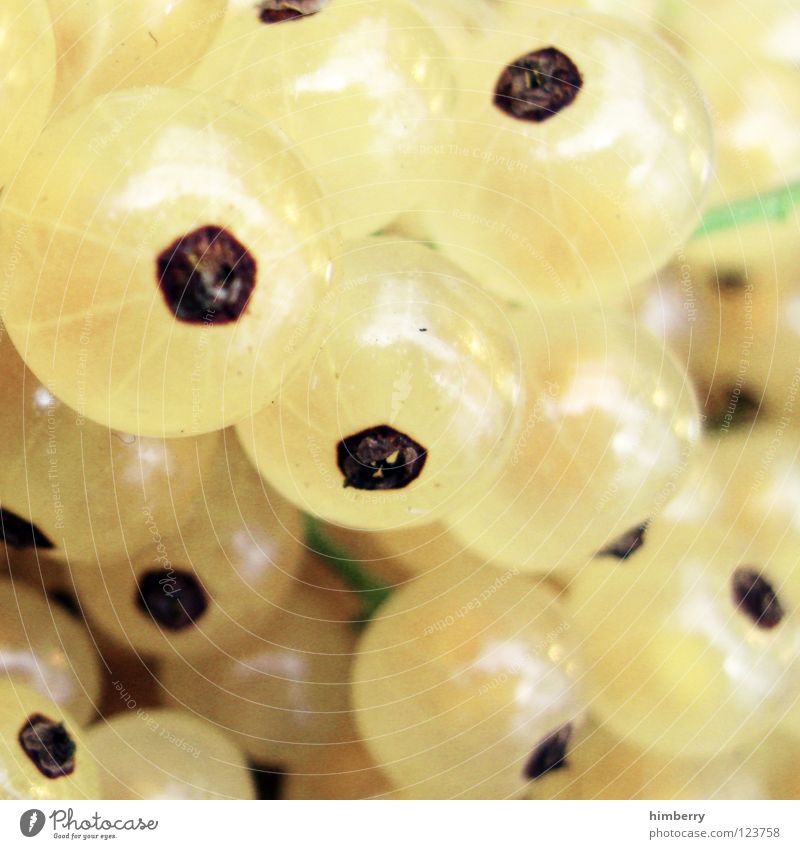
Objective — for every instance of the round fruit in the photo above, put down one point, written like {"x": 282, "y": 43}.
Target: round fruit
{"x": 579, "y": 161}
{"x": 693, "y": 643}
{"x": 27, "y": 79}
{"x": 86, "y": 491}
{"x": 609, "y": 426}
{"x": 467, "y": 687}
{"x": 156, "y": 288}
{"x": 203, "y": 579}
{"x": 410, "y": 404}
{"x": 43, "y": 755}
{"x": 281, "y": 691}
{"x": 45, "y": 648}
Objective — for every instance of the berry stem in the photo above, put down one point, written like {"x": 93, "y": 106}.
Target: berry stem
{"x": 373, "y": 591}
{"x": 776, "y": 205}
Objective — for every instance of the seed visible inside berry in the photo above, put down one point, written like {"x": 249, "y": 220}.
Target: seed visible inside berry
{"x": 207, "y": 276}
{"x": 380, "y": 458}
{"x": 538, "y": 86}
{"x": 48, "y": 744}
{"x": 627, "y": 544}
{"x": 19, "y": 533}
{"x": 731, "y": 280}
{"x": 754, "y": 595}
{"x": 174, "y": 599}
{"x": 550, "y": 754}
{"x": 275, "y": 11}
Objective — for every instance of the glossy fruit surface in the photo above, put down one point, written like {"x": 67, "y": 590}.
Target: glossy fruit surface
{"x": 90, "y": 492}
{"x": 156, "y": 290}
{"x": 165, "y": 754}
{"x": 467, "y": 690}
{"x": 578, "y": 162}
{"x": 205, "y": 579}
{"x": 110, "y": 44}
{"x": 281, "y": 692}
{"x": 609, "y": 427}
{"x": 43, "y": 753}
{"x": 693, "y": 642}
{"x": 410, "y": 402}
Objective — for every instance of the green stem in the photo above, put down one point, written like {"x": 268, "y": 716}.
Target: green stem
{"x": 373, "y": 591}
{"x": 776, "y": 205}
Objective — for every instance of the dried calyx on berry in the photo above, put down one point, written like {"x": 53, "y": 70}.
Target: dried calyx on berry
{"x": 755, "y": 596}
{"x": 275, "y": 11}
{"x": 538, "y": 85}
{"x": 20, "y": 533}
{"x": 380, "y": 458}
{"x": 626, "y": 545}
{"x": 174, "y": 599}
{"x": 207, "y": 276}
{"x": 48, "y": 744}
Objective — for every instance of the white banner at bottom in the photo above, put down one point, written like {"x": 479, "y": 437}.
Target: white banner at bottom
{"x": 386, "y": 825}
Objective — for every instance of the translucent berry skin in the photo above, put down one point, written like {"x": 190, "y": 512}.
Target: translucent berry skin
{"x": 588, "y": 202}
{"x": 458, "y": 22}
{"x": 677, "y": 659}
{"x": 85, "y": 305}
{"x": 608, "y": 429}
{"x": 747, "y": 37}
{"x": 396, "y": 556}
{"x": 457, "y": 682}
{"x": 352, "y": 85}
{"x": 19, "y": 776}
{"x": 110, "y": 44}
{"x": 746, "y": 478}
{"x": 167, "y": 754}
{"x": 92, "y": 491}
{"x": 410, "y": 344}
{"x": 756, "y": 110}
{"x": 729, "y": 317}
{"x": 27, "y": 79}
{"x": 204, "y": 578}
{"x": 48, "y": 650}
{"x": 281, "y": 691}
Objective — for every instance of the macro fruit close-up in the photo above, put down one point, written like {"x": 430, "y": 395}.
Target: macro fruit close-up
{"x": 399, "y": 400}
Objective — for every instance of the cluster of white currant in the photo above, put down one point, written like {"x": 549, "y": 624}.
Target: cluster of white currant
{"x": 426, "y": 275}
